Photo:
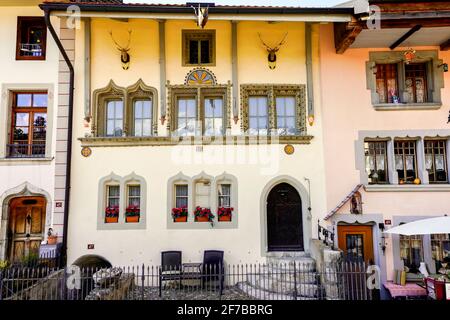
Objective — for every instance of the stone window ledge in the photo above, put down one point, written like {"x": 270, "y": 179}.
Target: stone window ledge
{"x": 25, "y": 160}
{"x": 171, "y": 141}
{"x": 141, "y": 225}
{"x": 408, "y": 188}
{"x": 202, "y": 225}
{"x": 407, "y": 106}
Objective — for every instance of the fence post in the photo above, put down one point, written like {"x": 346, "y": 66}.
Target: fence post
{"x": 1, "y": 285}
{"x": 143, "y": 282}
{"x": 295, "y": 282}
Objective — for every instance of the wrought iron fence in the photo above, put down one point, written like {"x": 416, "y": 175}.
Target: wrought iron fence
{"x": 290, "y": 281}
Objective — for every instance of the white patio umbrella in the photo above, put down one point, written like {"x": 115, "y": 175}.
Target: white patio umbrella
{"x": 423, "y": 226}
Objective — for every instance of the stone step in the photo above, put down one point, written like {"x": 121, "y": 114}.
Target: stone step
{"x": 298, "y": 277}
{"x": 283, "y": 286}
{"x": 303, "y": 265}
{"x": 258, "y": 293}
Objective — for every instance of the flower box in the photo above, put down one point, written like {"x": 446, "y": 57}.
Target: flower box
{"x": 132, "y": 219}
{"x": 203, "y": 215}
{"x": 180, "y": 219}
{"x": 111, "y": 219}
{"x": 202, "y": 219}
{"x": 225, "y": 217}
{"x": 224, "y": 213}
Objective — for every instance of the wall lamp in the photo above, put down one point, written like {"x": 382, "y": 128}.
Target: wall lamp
{"x": 383, "y": 237}
{"x": 444, "y": 66}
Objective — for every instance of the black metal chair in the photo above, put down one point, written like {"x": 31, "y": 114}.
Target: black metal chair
{"x": 171, "y": 267}
{"x": 213, "y": 268}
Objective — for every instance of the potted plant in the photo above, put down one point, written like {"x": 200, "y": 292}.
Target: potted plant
{"x": 203, "y": 214}
{"x": 52, "y": 237}
{"x": 132, "y": 213}
{"x": 112, "y": 214}
{"x": 179, "y": 214}
{"x": 224, "y": 213}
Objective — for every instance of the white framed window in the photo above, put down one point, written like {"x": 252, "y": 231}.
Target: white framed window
{"x": 113, "y": 195}
{"x": 286, "y": 118}
{"x": 186, "y": 116}
{"x": 142, "y": 115}
{"x": 114, "y": 118}
{"x": 258, "y": 115}
{"x": 181, "y": 196}
{"x": 134, "y": 195}
{"x": 224, "y": 195}
{"x": 214, "y": 117}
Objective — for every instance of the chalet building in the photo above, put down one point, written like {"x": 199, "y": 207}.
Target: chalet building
{"x": 33, "y": 135}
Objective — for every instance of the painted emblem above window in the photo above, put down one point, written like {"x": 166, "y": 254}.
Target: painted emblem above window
{"x": 200, "y": 76}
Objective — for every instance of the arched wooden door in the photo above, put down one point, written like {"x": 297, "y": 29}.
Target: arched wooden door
{"x": 284, "y": 219}
{"x": 26, "y": 226}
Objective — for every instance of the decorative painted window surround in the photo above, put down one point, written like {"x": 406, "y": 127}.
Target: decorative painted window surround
{"x": 198, "y": 35}
{"x": 128, "y": 95}
{"x": 435, "y": 78}
{"x": 271, "y": 91}
{"x": 389, "y": 136}
{"x": 224, "y": 178}
{"x": 199, "y": 93}
{"x": 123, "y": 182}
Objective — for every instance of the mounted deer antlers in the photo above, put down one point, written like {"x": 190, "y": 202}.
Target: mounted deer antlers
{"x": 201, "y": 15}
{"x": 272, "y": 57}
{"x": 124, "y": 56}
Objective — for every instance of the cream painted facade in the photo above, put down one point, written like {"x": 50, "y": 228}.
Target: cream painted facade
{"x": 255, "y": 175}
{"x": 26, "y": 176}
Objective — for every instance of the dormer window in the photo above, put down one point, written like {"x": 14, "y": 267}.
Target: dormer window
{"x": 31, "y": 38}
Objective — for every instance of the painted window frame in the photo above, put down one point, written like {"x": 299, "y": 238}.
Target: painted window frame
{"x": 405, "y": 145}
{"x": 193, "y": 34}
{"x": 427, "y": 143}
{"x": 198, "y": 93}
{"x": 123, "y": 183}
{"x": 21, "y": 21}
{"x": 180, "y": 178}
{"x": 130, "y": 94}
{"x": 386, "y": 162}
{"x": 272, "y": 91}
{"x": 435, "y": 78}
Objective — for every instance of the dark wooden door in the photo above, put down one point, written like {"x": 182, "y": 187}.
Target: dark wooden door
{"x": 357, "y": 243}
{"x": 26, "y": 226}
{"x": 284, "y": 219}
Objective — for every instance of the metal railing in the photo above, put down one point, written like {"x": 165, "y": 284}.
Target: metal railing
{"x": 325, "y": 235}
{"x": 290, "y": 281}
{"x": 26, "y": 150}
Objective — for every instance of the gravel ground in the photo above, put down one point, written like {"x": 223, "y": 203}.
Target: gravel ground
{"x": 152, "y": 293}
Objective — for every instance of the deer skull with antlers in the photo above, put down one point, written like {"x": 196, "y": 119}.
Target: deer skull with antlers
{"x": 124, "y": 55}
{"x": 201, "y": 15}
{"x": 272, "y": 56}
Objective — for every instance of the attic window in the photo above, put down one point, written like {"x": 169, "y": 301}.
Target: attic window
{"x": 199, "y": 47}
{"x": 31, "y": 38}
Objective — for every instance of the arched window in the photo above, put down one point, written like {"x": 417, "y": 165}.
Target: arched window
{"x": 225, "y": 199}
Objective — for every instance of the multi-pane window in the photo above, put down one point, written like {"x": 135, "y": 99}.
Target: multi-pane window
{"x": 187, "y": 117}
{"x": 114, "y": 118}
{"x": 181, "y": 196}
{"x": 224, "y": 194}
{"x": 29, "y": 124}
{"x": 387, "y": 82}
{"x": 440, "y": 248}
{"x": 258, "y": 116}
{"x": 416, "y": 82}
{"x": 411, "y": 251}
{"x": 405, "y": 160}
{"x": 436, "y": 160}
{"x": 213, "y": 125}
{"x": 285, "y": 108}
{"x": 376, "y": 161}
{"x": 142, "y": 118}
{"x": 113, "y": 196}
{"x": 134, "y": 195}
{"x": 198, "y": 47}
{"x": 31, "y": 38}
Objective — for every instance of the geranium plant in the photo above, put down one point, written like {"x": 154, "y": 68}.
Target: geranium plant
{"x": 179, "y": 212}
{"x": 132, "y": 211}
{"x": 224, "y": 213}
{"x": 112, "y": 211}
{"x": 202, "y": 214}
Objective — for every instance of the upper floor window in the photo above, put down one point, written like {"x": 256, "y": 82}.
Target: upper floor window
{"x": 405, "y": 84}
{"x": 405, "y": 160}
{"x": 114, "y": 118}
{"x": 198, "y": 47}
{"x": 29, "y": 125}
{"x": 181, "y": 196}
{"x": 187, "y": 116}
{"x": 436, "y": 160}
{"x": 376, "y": 161}
{"x": 224, "y": 195}
{"x": 269, "y": 109}
{"x": 31, "y": 38}
{"x": 214, "y": 116}
{"x": 142, "y": 111}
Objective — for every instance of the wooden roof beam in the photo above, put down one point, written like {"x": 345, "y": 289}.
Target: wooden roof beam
{"x": 408, "y": 34}
{"x": 445, "y": 46}
{"x": 345, "y": 34}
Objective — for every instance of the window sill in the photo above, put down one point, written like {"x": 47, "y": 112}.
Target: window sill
{"x": 25, "y": 160}
{"x": 408, "y": 188}
{"x": 122, "y": 226}
{"x": 407, "y": 106}
{"x": 205, "y": 140}
{"x": 192, "y": 225}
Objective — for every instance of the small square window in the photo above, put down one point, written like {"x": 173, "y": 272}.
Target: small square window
{"x": 199, "y": 47}
{"x": 31, "y": 38}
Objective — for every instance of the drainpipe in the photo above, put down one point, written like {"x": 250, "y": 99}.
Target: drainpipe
{"x": 69, "y": 133}
{"x": 309, "y": 73}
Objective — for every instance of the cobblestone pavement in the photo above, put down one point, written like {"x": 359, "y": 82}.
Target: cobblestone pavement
{"x": 152, "y": 293}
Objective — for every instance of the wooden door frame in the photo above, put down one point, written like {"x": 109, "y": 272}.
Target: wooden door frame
{"x": 368, "y": 234}
{"x": 13, "y": 203}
